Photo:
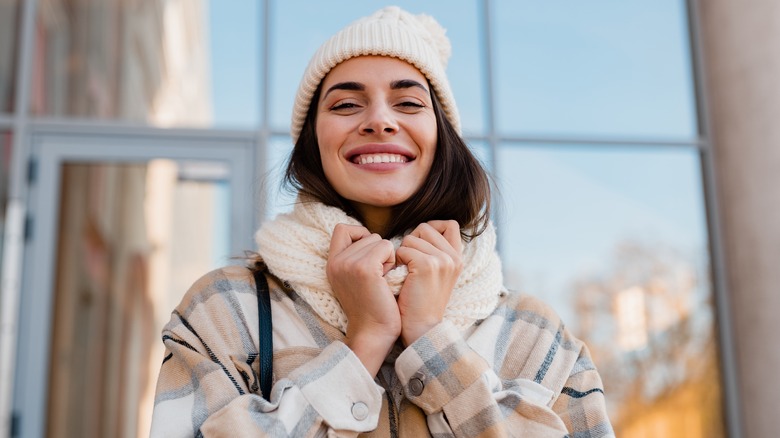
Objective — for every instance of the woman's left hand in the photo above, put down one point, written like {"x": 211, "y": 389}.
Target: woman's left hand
{"x": 433, "y": 255}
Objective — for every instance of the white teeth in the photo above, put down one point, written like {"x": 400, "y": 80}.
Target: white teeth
{"x": 381, "y": 158}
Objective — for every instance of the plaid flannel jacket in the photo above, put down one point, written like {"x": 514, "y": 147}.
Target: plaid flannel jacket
{"x": 518, "y": 372}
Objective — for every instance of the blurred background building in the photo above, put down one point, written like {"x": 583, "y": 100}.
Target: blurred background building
{"x": 632, "y": 144}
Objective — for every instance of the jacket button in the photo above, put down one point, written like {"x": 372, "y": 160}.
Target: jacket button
{"x": 416, "y": 386}
{"x": 360, "y": 411}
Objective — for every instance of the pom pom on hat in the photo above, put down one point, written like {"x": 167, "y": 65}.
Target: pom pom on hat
{"x": 417, "y": 39}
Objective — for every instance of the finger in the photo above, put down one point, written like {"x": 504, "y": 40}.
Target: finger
{"x": 451, "y": 232}
{"x": 368, "y": 256}
{"x": 433, "y": 236}
{"x": 407, "y": 255}
{"x": 373, "y": 248}
{"x": 424, "y": 243}
{"x": 421, "y": 263}
{"x": 345, "y": 235}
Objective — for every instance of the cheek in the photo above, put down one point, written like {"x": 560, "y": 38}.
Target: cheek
{"x": 427, "y": 140}
{"x": 325, "y": 144}
{"x": 329, "y": 159}
{"x": 427, "y": 130}
{"x": 330, "y": 135}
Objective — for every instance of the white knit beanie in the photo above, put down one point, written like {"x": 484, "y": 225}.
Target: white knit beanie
{"x": 417, "y": 39}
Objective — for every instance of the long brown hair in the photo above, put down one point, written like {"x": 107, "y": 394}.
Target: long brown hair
{"x": 457, "y": 187}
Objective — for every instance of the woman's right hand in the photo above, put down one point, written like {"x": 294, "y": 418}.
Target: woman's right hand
{"x": 357, "y": 263}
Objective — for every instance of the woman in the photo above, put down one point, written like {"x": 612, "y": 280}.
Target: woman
{"x": 389, "y": 314}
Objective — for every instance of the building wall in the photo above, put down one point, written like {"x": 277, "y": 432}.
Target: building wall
{"x": 741, "y": 47}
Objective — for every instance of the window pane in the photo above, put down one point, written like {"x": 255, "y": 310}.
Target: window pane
{"x": 172, "y": 63}
{"x": 600, "y": 68}
{"x": 9, "y": 27}
{"x": 615, "y": 239}
{"x": 481, "y": 150}
{"x": 234, "y": 31}
{"x": 278, "y": 198}
{"x": 125, "y": 257}
{"x": 314, "y": 22}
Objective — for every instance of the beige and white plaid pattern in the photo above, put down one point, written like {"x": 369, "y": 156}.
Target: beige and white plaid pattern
{"x": 517, "y": 373}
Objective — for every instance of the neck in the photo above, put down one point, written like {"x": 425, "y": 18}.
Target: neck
{"x": 376, "y": 219}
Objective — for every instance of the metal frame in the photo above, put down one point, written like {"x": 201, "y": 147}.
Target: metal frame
{"x": 264, "y": 134}
{"x": 718, "y": 265}
{"x": 53, "y": 149}
{"x": 13, "y": 245}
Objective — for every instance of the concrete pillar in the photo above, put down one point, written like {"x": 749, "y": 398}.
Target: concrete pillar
{"x": 741, "y": 48}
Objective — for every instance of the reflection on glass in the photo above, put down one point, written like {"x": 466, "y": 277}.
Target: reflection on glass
{"x": 598, "y": 68}
{"x": 149, "y": 61}
{"x": 126, "y": 255}
{"x": 234, "y": 33}
{"x": 615, "y": 240}
{"x": 316, "y": 21}
{"x": 5, "y": 175}
{"x": 279, "y": 198}
{"x": 9, "y": 22}
{"x": 481, "y": 150}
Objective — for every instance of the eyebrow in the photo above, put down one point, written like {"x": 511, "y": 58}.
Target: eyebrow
{"x": 406, "y": 83}
{"x": 357, "y": 86}
{"x": 351, "y": 86}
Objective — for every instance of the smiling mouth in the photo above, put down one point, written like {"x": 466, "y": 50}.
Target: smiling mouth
{"x": 379, "y": 158}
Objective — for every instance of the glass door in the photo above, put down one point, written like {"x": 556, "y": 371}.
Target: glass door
{"x": 119, "y": 230}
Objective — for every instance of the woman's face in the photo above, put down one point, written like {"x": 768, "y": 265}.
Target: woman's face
{"x": 377, "y": 132}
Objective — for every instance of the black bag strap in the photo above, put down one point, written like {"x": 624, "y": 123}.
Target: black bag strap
{"x": 265, "y": 333}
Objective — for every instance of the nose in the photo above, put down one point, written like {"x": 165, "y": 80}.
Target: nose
{"x": 379, "y": 119}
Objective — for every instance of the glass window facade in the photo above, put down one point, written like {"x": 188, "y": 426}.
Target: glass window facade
{"x": 571, "y": 108}
{"x": 173, "y": 63}
{"x": 126, "y": 254}
{"x": 594, "y": 69}
{"x": 615, "y": 239}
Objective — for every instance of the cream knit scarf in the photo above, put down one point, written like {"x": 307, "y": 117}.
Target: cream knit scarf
{"x": 295, "y": 247}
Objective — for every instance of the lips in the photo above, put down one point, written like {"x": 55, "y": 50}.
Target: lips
{"x": 379, "y": 153}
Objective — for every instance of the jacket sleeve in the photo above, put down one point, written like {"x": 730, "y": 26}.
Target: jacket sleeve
{"x": 206, "y": 387}
{"x": 551, "y": 390}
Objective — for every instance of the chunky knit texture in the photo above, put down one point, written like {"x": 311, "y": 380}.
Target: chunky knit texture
{"x": 295, "y": 248}
{"x": 417, "y": 39}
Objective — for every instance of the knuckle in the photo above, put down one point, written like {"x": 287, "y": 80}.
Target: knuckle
{"x": 431, "y": 263}
{"x": 419, "y": 228}
{"x": 458, "y": 264}
{"x": 340, "y": 227}
{"x": 458, "y": 260}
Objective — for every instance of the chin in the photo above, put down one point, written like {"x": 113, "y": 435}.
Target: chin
{"x": 383, "y": 201}
{"x": 392, "y": 200}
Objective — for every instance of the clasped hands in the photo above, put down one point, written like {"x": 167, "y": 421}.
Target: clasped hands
{"x": 357, "y": 263}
